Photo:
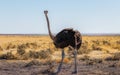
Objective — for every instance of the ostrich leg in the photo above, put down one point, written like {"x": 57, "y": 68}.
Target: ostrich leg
{"x": 60, "y": 65}
{"x": 75, "y": 56}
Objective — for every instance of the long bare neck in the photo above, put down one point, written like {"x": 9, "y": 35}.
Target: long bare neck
{"x": 48, "y": 24}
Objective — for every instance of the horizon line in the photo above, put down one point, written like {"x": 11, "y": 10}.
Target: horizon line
{"x": 89, "y": 34}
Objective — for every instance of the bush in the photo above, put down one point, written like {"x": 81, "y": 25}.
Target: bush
{"x": 44, "y": 54}
{"x": 95, "y": 47}
{"x": 33, "y": 54}
{"x": 34, "y": 45}
{"x": 116, "y": 56}
{"x": 96, "y": 42}
{"x": 84, "y": 48}
{"x": 106, "y": 42}
{"x": 8, "y": 55}
{"x": 10, "y": 46}
{"x": 21, "y": 47}
{"x": 31, "y": 45}
{"x": 118, "y": 42}
{"x": 21, "y": 51}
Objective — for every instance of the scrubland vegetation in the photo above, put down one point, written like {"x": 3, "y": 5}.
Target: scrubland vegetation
{"x": 39, "y": 50}
{"x": 41, "y": 47}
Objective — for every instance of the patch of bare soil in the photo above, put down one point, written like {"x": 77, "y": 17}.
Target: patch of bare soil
{"x": 86, "y": 67}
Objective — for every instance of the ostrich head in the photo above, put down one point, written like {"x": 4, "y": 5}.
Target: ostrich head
{"x": 46, "y": 12}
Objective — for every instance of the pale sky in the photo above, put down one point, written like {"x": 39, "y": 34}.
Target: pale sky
{"x": 87, "y": 16}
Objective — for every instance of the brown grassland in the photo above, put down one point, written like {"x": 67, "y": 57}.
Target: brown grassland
{"x": 36, "y": 55}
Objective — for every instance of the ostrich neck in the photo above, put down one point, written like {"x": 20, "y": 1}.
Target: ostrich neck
{"x": 48, "y": 24}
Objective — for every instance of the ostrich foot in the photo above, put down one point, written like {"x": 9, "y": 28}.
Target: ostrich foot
{"x": 74, "y": 72}
{"x": 53, "y": 74}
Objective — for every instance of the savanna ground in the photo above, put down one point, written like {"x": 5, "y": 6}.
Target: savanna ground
{"x": 36, "y": 55}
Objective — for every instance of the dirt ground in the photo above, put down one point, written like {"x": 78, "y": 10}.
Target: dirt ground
{"x": 21, "y": 67}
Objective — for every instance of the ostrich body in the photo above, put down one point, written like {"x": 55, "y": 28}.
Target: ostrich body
{"x": 66, "y": 37}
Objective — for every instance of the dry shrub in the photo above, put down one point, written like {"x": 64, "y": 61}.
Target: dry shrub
{"x": 21, "y": 47}
{"x": 51, "y": 51}
{"x": 116, "y": 46}
{"x": 33, "y": 45}
{"x": 118, "y": 42}
{"x": 21, "y": 51}
{"x": 28, "y": 44}
{"x": 25, "y": 56}
{"x": 8, "y": 46}
{"x": 84, "y": 45}
{"x": 96, "y": 42}
{"x": 33, "y": 54}
{"x": 116, "y": 56}
{"x": 24, "y": 46}
{"x": 105, "y": 42}
{"x": 30, "y": 55}
{"x": 8, "y": 55}
{"x": 95, "y": 47}
{"x": 84, "y": 48}
{"x": 44, "y": 54}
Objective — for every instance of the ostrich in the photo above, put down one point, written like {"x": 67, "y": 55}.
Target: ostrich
{"x": 66, "y": 37}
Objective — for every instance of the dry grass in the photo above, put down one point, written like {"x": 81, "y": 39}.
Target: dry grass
{"x": 41, "y": 47}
